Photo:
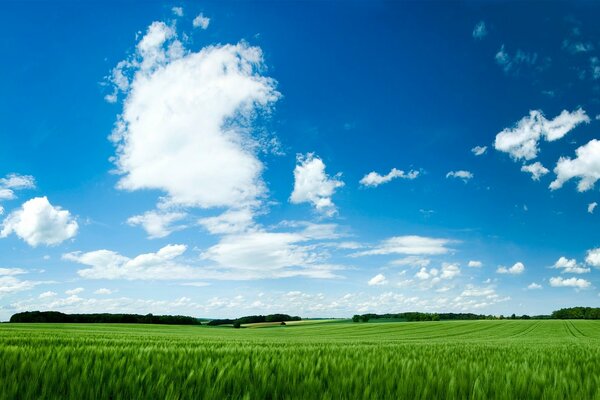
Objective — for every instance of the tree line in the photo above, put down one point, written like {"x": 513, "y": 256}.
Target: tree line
{"x": 563, "y": 313}
{"x": 253, "y": 319}
{"x": 58, "y": 317}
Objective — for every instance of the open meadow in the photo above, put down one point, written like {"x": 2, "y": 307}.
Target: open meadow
{"x": 550, "y": 359}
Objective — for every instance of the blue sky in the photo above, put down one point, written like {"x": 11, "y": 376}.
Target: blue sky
{"x": 320, "y": 159}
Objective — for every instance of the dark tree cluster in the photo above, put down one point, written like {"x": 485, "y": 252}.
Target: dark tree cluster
{"x": 58, "y": 317}
{"x": 577, "y": 313}
{"x": 419, "y": 316}
{"x": 253, "y": 319}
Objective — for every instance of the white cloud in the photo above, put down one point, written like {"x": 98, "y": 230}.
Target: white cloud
{"x": 479, "y": 31}
{"x": 71, "y": 292}
{"x": 479, "y": 150}
{"x": 39, "y": 222}
{"x": 177, "y": 11}
{"x": 593, "y": 257}
{"x": 591, "y": 207}
{"x": 449, "y": 270}
{"x": 186, "y": 124}
{"x": 378, "y": 280}
{"x": 373, "y": 179}
{"x": 569, "y": 266}
{"x": 313, "y": 185}
{"x": 534, "y": 286}
{"x": 12, "y": 271}
{"x": 410, "y": 244}
{"x": 586, "y": 167}
{"x": 47, "y": 295}
{"x": 521, "y": 141}
{"x": 9, "y": 284}
{"x": 156, "y": 223}
{"x": 17, "y": 182}
{"x": 537, "y": 170}
{"x": 229, "y": 222}
{"x": 511, "y": 64}
{"x": 424, "y": 274}
{"x": 516, "y": 269}
{"x": 575, "y": 47}
{"x": 103, "y": 291}
{"x": 569, "y": 282}
{"x": 461, "y": 174}
{"x": 413, "y": 261}
{"x": 201, "y": 21}
{"x": 475, "y": 264}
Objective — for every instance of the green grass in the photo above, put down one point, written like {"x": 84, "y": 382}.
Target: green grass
{"x": 421, "y": 360}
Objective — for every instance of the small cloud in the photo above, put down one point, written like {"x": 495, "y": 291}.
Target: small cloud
{"x": 534, "y": 286}
{"x": 591, "y": 207}
{"x": 569, "y": 266}
{"x": 480, "y": 30}
{"x": 378, "y": 280}
{"x": 201, "y": 21}
{"x": 46, "y": 295}
{"x": 103, "y": 291}
{"x": 479, "y": 150}
{"x": 177, "y": 11}
{"x": 537, "y": 170}
{"x": 461, "y": 174}
{"x": 475, "y": 264}
{"x": 517, "y": 269}
{"x": 196, "y": 284}
{"x": 72, "y": 292}
{"x": 373, "y": 179}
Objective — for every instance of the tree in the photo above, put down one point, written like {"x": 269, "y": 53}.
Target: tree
{"x": 237, "y": 325}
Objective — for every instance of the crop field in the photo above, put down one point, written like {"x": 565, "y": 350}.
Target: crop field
{"x": 550, "y": 359}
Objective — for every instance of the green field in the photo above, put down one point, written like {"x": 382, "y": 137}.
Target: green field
{"x": 551, "y": 359}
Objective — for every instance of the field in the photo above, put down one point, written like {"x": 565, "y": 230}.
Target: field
{"x": 455, "y": 360}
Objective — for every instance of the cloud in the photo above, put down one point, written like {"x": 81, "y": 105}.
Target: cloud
{"x": 570, "y": 282}
{"x": 378, "y": 280}
{"x": 39, "y": 222}
{"x": 593, "y": 257}
{"x": 475, "y": 264}
{"x": 10, "y": 284}
{"x": 12, "y": 271}
{"x": 47, "y": 295}
{"x": 157, "y": 224}
{"x": 229, "y": 222}
{"x": 464, "y": 175}
{"x": 410, "y": 244}
{"x": 517, "y": 269}
{"x": 479, "y": 31}
{"x": 521, "y": 141}
{"x": 373, "y": 179}
{"x": 575, "y": 47}
{"x": 177, "y": 11}
{"x": 103, "y": 291}
{"x": 569, "y": 266}
{"x": 534, "y": 286}
{"x": 186, "y": 127}
{"x": 424, "y": 274}
{"x": 13, "y": 182}
{"x": 537, "y": 170}
{"x": 479, "y": 150}
{"x": 413, "y": 261}
{"x": 512, "y": 64}
{"x": 201, "y": 21}
{"x": 591, "y": 207}
{"x": 449, "y": 270}
{"x": 71, "y": 292}
{"x": 586, "y": 167}
{"x": 313, "y": 185}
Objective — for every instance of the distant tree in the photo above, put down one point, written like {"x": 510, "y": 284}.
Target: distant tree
{"x": 282, "y": 323}
{"x": 356, "y": 318}
{"x": 237, "y": 325}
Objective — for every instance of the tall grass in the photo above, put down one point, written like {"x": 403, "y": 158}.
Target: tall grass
{"x": 451, "y": 360}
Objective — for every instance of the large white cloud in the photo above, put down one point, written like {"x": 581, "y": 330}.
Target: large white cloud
{"x": 39, "y": 222}
{"x": 593, "y": 257}
{"x": 586, "y": 167}
{"x": 186, "y": 123}
{"x": 521, "y": 141}
{"x": 569, "y": 282}
{"x": 313, "y": 185}
{"x": 373, "y": 179}
{"x": 570, "y": 266}
{"x": 410, "y": 244}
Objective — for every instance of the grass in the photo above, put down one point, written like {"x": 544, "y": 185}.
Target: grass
{"x": 423, "y": 360}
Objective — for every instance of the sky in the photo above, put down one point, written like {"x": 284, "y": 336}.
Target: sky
{"x": 321, "y": 159}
